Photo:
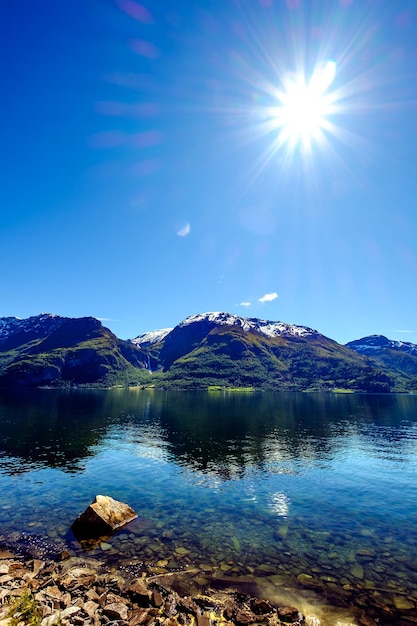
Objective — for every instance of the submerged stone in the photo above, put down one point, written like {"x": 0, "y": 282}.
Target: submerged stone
{"x": 266, "y": 568}
{"x": 281, "y": 533}
{"x": 402, "y": 604}
{"x": 357, "y": 571}
{"x": 101, "y": 517}
{"x": 225, "y": 567}
{"x": 308, "y": 581}
{"x": 366, "y": 552}
{"x": 236, "y": 543}
{"x": 304, "y": 578}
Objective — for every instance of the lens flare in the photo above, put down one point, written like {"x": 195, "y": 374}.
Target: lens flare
{"x": 301, "y": 116}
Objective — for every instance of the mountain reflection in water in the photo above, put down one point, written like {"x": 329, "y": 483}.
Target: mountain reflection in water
{"x": 216, "y": 433}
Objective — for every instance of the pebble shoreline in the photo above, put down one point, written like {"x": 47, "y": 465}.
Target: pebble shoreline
{"x": 83, "y": 590}
{"x": 77, "y": 591}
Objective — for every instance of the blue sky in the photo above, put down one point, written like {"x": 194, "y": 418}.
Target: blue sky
{"x": 147, "y": 174}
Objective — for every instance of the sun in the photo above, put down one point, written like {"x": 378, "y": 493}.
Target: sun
{"x": 302, "y": 115}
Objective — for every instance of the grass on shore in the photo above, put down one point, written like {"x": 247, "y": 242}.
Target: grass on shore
{"x": 211, "y": 388}
{"x": 25, "y": 610}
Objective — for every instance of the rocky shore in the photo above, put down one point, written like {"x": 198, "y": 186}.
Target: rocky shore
{"x": 41, "y": 586}
{"x": 77, "y": 590}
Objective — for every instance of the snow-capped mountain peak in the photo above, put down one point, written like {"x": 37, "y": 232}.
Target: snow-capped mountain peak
{"x": 265, "y": 327}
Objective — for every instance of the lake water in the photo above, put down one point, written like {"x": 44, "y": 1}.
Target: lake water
{"x": 307, "y": 497}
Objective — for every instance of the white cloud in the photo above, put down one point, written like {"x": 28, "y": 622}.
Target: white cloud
{"x": 245, "y": 304}
{"x": 403, "y": 331}
{"x": 184, "y": 230}
{"x": 268, "y": 297}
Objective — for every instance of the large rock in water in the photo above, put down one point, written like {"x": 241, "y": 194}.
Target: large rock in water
{"x": 102, "y": 517}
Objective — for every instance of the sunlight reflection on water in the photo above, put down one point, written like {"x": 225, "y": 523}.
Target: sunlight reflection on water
{"x": 279, "y": 504}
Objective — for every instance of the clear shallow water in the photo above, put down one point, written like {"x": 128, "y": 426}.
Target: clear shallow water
{"x": 310, "y": 492}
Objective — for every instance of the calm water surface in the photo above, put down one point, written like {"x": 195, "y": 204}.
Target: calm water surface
{"x": 314, "y": 493}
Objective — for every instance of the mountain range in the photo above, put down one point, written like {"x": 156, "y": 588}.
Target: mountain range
{"x": 210, "y": 350}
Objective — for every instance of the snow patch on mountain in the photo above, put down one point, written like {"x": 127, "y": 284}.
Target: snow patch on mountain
{"x": 377, "y": 343}
{"x": 364, "y": 347}
{"x": 265, "y": 327}
{"x": 151, "y": 337}
{"x": 12, "y": 325}
{"x": 405, "y": 346}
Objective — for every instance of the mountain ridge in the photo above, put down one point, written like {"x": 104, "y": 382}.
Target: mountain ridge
{"x": 52, "y": 350}
{"x": 230, "y": 351}
{"x": 397, "y": 357}
{"x": 204, "y": 350}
